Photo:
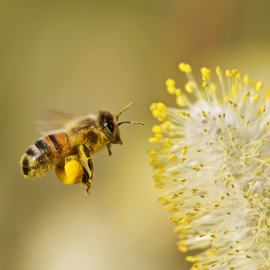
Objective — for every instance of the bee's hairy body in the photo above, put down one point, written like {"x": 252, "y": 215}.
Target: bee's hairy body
{"x": 45, "y": 154}
{"x": 78, "y": 141}
{"x": 53, "y": 149}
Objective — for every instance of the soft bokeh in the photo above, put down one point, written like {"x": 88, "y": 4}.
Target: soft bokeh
{"x": 82, "y": 56}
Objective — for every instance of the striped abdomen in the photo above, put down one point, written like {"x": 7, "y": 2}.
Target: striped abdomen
{"x": 45, "y": 154}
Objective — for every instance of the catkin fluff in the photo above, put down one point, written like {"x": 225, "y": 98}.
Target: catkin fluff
{"x": 213, "y": 163}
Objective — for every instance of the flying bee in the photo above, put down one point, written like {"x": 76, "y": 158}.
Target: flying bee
{"x": 76, "y": 142}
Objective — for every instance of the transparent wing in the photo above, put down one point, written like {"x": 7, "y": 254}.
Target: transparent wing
{"x": 51, "y": 121}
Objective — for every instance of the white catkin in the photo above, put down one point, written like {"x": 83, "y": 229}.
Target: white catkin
{"x": 213, "y": 163}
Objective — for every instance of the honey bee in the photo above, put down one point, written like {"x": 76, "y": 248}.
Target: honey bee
{"x": 67, "y": 148}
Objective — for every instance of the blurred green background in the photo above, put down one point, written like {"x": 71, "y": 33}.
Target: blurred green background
{"x": 82, "y": 56}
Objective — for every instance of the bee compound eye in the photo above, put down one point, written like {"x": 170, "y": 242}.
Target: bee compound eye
{"x": 110, "y": 126}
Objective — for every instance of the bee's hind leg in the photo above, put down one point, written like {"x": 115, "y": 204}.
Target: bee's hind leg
{"x": 86, "y": 181}
{"x": 90, "y": 167}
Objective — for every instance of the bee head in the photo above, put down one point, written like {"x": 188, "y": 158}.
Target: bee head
{"x": 110, "y": 125}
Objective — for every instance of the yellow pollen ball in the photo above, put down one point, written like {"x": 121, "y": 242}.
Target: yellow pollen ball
{"x": 156, "y": 129}
{"x": 256, "y": 97}
{"x": 259, "y": 86}
{"x": 234, "y": 72}
{"x": 74, "y": 172}
{"x": 188, "y": 68}
{"x": 188, "y": 87}
{"x": 158, "y": 136}
{"x": 206, "y": 72}
{"x": 203, "y": 70}
{"x": 153, "y": 106}
{"x": 178, "y": 92}
{"x": 183, "y": 249}
{"x": 151, "y": 152}
{"x": 203, "y": 114}
{"x": 171, "y": 90}
{"x": 153, "y": 140}
{"x": 246, "y": 79}
{"x": 161, "y": 107}
{"x": 180, "y": 101}
{"x": 170, "y": 82}
{"x": 156, "y": 113}
{"x": 218, "y": 71}
{"x": 164, "y": 115}
{"x": 228, "y": 73}
{"x": 190, "y": 259}
{"x": 182, "y": 67}
{"x": 166, "y": 125}
{"x": 205, "y": 84}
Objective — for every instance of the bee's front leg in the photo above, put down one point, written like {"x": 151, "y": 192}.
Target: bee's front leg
{"x": 109, "y": 148}
{"x": 90, "y": 167}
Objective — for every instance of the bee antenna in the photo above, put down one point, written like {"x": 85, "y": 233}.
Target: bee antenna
{"x": 133, "y": 122}
{"x": 128, "y": 106}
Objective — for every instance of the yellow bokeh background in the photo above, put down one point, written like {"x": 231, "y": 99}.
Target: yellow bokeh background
{"x": 83, "y": 56}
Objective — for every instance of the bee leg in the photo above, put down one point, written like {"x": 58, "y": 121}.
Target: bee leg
{"x": 86, "y": 181}
{"x": 89, "y": 163}
{"x": 109, "y": 148}
{"x": 91, "y": 168}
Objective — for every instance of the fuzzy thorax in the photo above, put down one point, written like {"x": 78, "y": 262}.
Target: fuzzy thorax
{"x": 213, "y": 162}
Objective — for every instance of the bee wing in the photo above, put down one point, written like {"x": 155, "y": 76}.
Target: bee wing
{"x": 52, "y": 121}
